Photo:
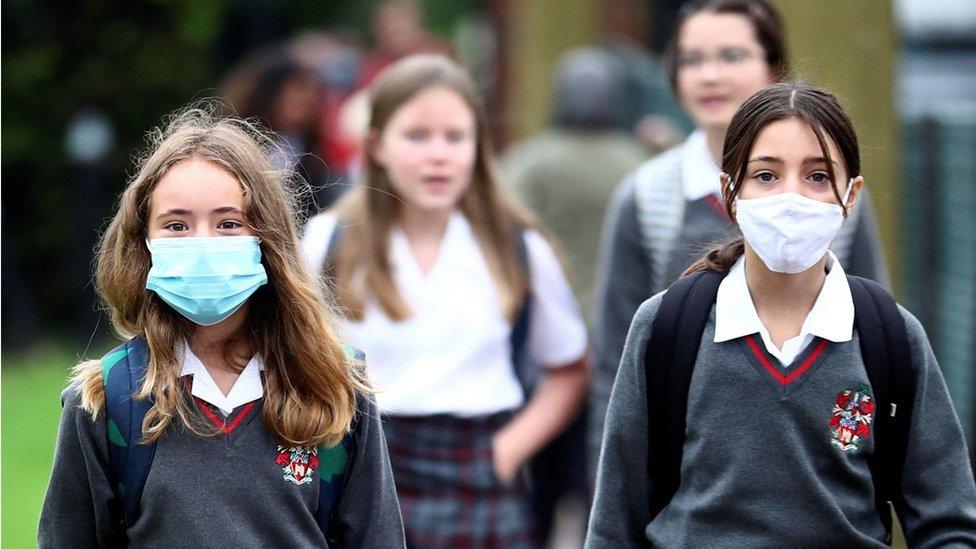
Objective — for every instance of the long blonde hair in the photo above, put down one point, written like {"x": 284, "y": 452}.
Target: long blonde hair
{"x": 310, "y": 386}
{"x": 362, "y": 264}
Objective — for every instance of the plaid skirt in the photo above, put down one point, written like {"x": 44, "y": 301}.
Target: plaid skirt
{"x": 445, "y": 479}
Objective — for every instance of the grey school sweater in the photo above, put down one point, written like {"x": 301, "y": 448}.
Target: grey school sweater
{"x": 764, "y": 463}
{"x": 223, "y": 491}
{"x": 652, "y": 234}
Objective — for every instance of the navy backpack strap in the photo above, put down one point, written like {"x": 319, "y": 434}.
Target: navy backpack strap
{"x": 668, "y": 364}
{"x": 525, "y": 371}
{"x": 887, "y": 360}
{"x": 335, "y": 463}
{"x": 332, "y": 247}
{"x": 123, "y": 371}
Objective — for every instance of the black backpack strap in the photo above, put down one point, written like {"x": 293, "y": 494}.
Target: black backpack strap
{"x": 887, "y": 360}
{"x": 123, "y": 371}
{"x": 668, "y": 364}
{"x": 526, "y": 372}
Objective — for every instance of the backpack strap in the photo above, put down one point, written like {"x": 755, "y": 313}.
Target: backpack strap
{"x": 123, "y": 370}
{"x": 668, "y": 364}
{"x": 335, "y": 463}
{"x": 887, "y": 360}
{"x": 328, "y": 263}
{"x": 526, "y": 372}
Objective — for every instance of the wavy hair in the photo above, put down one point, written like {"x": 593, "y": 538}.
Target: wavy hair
{"x": 310, "y": 385}
{"x": 362, "y": 265}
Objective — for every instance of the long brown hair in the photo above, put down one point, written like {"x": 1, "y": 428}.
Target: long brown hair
{"x": 818, "y": 108}
{"x": 310, "y": 386}
{"x": 362, "y": 265}
{"x": 764, "y": 18}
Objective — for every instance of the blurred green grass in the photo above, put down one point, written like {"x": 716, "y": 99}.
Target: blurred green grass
{"x": 31, "y": 386}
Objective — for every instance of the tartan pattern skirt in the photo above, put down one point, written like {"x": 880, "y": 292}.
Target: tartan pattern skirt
{"x": 445, "y": 480}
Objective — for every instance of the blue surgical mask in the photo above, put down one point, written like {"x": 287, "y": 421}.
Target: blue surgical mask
{"x": 206, "y": 279}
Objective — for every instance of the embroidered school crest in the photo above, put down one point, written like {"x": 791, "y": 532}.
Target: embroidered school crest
{"x": 299, "y": 463}
{"x": 850, "y": 422}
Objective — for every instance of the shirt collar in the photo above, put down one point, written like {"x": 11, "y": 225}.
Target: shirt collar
{"x": 831, "y": 318}
{"x": 247, "y": 388}
{"x": 699, "y": 172}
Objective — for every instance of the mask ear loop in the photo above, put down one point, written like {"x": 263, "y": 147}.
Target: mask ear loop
{"x": 847, "y": 193}
{"x": 730, "y": 180}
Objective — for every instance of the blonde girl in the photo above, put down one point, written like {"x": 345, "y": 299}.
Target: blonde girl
{"x": 434, "y": 267}
{"x": 249, "y": 398}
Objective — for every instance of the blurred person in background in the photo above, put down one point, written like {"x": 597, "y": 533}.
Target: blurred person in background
{"x": 668, "y": 211}
{"x": 398, "y": 30}
{"x": 448, "y": 288}
{"x": 335, "y": 59}
{"x": 283, "y": 94}
{"x": 649, "y": 107}
{"x": 566, "y": 176}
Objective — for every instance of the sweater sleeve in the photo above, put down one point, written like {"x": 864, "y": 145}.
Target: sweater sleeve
{"x": 621, "y": 511}
{"x": 76, "y": 507}
{"x": 937, "y": 482}
{"x": 867, "y": 256}
{"x": 368, "y": 514}
{"x": 623, "y": 283}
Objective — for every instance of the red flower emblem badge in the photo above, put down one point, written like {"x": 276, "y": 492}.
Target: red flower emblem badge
{"x": 299, "y": 463}
{"x": 850, "y": 422}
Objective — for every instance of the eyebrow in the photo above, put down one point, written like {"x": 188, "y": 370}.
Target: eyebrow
{"x": 181, "y": 211}
{"x": 775, "y": 160}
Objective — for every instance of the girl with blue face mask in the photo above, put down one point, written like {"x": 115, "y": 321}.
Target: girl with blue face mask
{"x": 790, "y": 430}
{"x": 244, "y": 419}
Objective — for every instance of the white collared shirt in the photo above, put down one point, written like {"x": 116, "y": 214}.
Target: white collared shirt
{"x": 452, "y": 355}
{"x": 699, "y": 172}
{"x": 831, "y": 318}
{"x": 247, "y": 388}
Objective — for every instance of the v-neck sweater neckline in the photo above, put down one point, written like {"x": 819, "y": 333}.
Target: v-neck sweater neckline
{"x": 802, "y": 367}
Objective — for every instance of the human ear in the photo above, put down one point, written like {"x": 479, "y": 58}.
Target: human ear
{"x": 725, "y": 182}
{"x": 853, "y": 191}
{"x": 374, "y": 147}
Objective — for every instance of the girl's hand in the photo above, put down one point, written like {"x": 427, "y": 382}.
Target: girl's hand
{"x": 505, "y": 459}
{"x": 553, "y": 405}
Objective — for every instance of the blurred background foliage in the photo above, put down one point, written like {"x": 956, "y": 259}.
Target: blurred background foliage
{"x": 128, "y": 64}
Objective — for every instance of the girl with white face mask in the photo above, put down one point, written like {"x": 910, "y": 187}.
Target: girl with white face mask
{"x": 786, "y": 426}
{"x": 670, "y": 208}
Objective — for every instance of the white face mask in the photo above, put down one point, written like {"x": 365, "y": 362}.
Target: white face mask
{"x": 789, "y": 232}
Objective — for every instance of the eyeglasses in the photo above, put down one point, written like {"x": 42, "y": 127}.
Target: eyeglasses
{"x": 726, "y": 57}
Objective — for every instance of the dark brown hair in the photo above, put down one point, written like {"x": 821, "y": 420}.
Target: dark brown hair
{"x": 764, "y": 18}
{"x": 818, "y": 108}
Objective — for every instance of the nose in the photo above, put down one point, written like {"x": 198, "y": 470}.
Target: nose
{"x": 203, "y": 229}
{"x": 439, "y": 149}
{"x": 709, "y": 69}
{"x": 793, "y": 184}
